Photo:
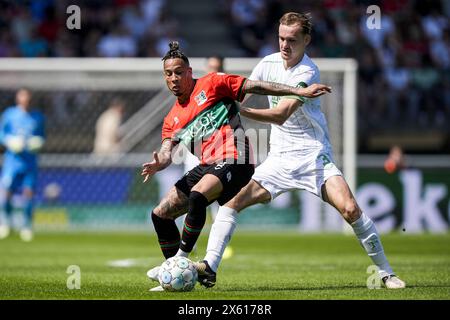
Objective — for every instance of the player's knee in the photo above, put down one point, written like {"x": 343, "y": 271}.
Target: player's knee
{"x": 263, "y": 196}
{"x": 161, "y": 212}
{"x": 351, "y": 211}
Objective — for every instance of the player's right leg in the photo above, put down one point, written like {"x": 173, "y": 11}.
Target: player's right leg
{"x": 173, "y": 205}
{"x": 224, "y": 226}
{"x": 9, "y": 182}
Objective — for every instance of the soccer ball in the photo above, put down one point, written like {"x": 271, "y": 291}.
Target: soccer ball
{"x": 177, "y": 274}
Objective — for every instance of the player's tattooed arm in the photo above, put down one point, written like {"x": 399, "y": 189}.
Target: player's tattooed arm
{"x": 165, "y": 154}
{"x": 277, "y": 89}
{"x": 278, "y": 115}
{"x": 161, "y": 160}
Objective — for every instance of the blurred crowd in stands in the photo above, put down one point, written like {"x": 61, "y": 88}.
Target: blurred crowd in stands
{"x": 404, "y": 67}
{"x": 110, "y": 28}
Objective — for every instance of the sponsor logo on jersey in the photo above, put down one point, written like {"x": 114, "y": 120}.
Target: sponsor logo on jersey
{"x": 326, "y": 162}
{"x": 302, "y": 84}
{"x": 201, "y": 98}
{"x": 204, "y": 125}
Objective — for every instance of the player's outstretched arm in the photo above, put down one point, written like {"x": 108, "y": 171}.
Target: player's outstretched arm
{"x": 277, "y": 89}
{"x": 161, "y": 160}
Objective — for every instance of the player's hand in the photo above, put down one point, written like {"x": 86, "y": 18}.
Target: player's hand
{"x": 150, "y": 168}
{"x": 35, "y": 143}
{"x": 15, "y": 144}
{"x": 315, "y": 90}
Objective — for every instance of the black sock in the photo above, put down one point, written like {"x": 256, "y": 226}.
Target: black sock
{"x": 194, "y": 222}
{"x": 168, "y": 235}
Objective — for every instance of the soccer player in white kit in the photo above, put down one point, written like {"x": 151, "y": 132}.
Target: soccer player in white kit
{"x": 300, "y": 154}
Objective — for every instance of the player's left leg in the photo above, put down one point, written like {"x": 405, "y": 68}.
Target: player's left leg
{"x": 10, "y": 181}
{"x": 28, "y": 185}
{"x": 336, "y": 192}
{"x": 202, "y": 194}
{"x": 5, "y": 226}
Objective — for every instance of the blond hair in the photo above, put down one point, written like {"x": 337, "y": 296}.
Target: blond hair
{"x": 293, "y": 18}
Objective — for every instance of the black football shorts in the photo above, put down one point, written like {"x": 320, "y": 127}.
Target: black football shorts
{"x": 233, "y": 177}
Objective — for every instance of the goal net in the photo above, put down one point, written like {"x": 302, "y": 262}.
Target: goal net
{"x": 81, "y": 188}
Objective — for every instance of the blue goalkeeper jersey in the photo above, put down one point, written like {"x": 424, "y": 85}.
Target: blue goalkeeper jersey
{"x": 17, "y": 123}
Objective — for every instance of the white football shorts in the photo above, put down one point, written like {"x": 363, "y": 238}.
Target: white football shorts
{"x": 296, "y": 170}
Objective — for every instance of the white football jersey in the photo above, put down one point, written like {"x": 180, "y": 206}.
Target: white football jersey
{"x": 307, "y": 126}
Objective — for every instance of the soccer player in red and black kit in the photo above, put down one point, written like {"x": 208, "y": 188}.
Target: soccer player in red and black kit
{"x": 205, "y": 118}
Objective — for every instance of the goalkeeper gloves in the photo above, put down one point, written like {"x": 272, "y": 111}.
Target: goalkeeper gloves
{"x": 35, "y": 143}
{"x": 15, "y": 144}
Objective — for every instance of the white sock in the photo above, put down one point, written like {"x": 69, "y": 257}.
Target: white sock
{"x": 181, "y": 253}
{"x": 369, "y": 238}
{"x": 219, "y": 236}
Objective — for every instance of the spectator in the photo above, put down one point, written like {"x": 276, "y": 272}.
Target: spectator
{"x": 376, "y": 36}
{"x": 440, "y": 50}
{"x": 214, "y": 64}
{"x": 118, "y": 43}
{"x": 7, "y": 48}
{"x": 331, "y": 47}
{"x": 395, "y": 161}
{"x": 135, "y": 21}
{"x": 34, "y": 47}
{"x": 434, "y": 25}
{"x": 22, "y": 25}
{"x": 398, "y": 79}
{"x": 107, "y": 129}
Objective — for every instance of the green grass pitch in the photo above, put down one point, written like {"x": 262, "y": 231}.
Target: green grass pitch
{"x": 264, "y": 266}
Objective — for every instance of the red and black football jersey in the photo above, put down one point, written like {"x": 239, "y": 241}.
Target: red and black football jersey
{"x": 208, "y": 123}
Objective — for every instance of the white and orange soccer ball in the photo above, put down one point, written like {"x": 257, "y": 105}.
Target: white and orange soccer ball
{"x": 177, "y": 274}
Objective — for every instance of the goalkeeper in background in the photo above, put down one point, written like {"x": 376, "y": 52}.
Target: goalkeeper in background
{"x": 22, "y": 134}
